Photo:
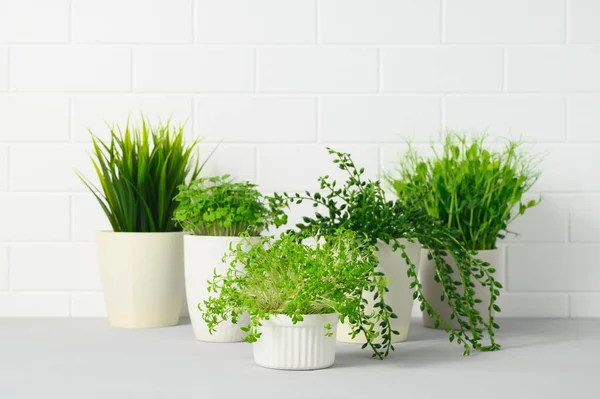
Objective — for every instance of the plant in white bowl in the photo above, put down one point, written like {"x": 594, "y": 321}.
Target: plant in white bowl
{"x": 215, "y": 211}
{"x": 295, "y": 293}
{"x": 476, "y": 191}
{"x": 141, "y": 260}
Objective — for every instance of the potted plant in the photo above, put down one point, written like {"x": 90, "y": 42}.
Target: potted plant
{"x": 361, "y": 206}
{"x": 476, "y": 192}
{"x": 215, "y": 211}
{"x": 295, "y": 293}
{"x": 141, "y": 260}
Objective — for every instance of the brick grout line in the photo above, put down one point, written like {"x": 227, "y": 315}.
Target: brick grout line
{"x": 379, "y": 71}
{"x": 193, "y": 18}
{"x": 567, "y": 19}
{"x": 71, "y": 22}
{"x": 8, "y": 65}
{"x": 505, "y": 70}
{"x": 319, "y": 133}
{"x": 131, "y": 70}
{"x": 567, "y": 118}
{"x": 442, "y": 21}
{"x": 256, "y": 80}
{"x": 317, "y": 23}
{"x": 9, "y": 259}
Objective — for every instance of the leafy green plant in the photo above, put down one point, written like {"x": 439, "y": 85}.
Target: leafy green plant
{"x": 217, "y": 206}
{"x": 473, "y": 190}
{"x": 286, "y": 277}
{"x": 361, "y": 206}
{"x": 140, "y": 170}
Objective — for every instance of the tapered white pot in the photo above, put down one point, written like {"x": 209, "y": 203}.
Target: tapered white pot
{"x": 204, "y": 254}
{"x": 399, "y": 297}
{"x": 432, "y": 290}
{"x": 142, "y": 277}
{"x": 300, "y": 346}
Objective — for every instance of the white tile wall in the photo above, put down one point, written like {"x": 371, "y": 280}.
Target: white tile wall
{"x": 256, "y": 21}
{"x": 442, "y": 69}
{"x": 317, "y": 69}
{"x": 34, "y": 118}
{"x": 193, "y": 69}
{"x": 29, "y": 21}
{"x": 508, "y": 21}
{"x": 379, "y": 21}
{"x": 277, "y": 81}
{"x": 532, "y": 117}
{"x": 132, "y": 21}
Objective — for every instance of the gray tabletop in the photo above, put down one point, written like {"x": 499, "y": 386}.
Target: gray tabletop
{"x": 85, "y": 358}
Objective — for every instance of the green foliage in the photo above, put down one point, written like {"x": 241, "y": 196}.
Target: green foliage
{"x": 361, "y": 206}
{"x": 472, "y": 189}
{"x": 139, "y": 171}
{"x": 284, "y": 276}
{"x": 216, "y": 206}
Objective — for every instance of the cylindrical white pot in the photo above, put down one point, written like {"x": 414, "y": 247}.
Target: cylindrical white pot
{"x": 142, "y": 277}
{"x": 300, "y": 346}
{"x": 432, "y": 290}
{"x": 204, "y": 254}
{"x": 399, "y": 297}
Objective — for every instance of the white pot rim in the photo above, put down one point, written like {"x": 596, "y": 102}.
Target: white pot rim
{"x": 309, "y": 320}
{"x": 191, "y": 236}
{"x": 133, "y": 233}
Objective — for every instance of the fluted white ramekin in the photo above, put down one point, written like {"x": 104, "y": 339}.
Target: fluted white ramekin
{"x": 300, "y": 346}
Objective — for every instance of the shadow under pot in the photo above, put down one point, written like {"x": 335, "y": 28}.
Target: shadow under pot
{"x": 204, "y": 254}
{"x": 432, "y": 290}
{"x": 142, "y": 277}
{"x": 400, "y": 295}
{"x": 301, "y": 346}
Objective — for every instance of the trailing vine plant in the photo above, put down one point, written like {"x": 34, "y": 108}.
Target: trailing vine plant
{"x": 361, "y": 205}
{"x": 286, "y": 277}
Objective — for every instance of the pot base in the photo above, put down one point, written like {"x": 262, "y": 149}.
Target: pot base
{"x": 301, "y": 346}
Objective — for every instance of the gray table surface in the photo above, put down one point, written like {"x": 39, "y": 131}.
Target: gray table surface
{"x": 85, "y": 358}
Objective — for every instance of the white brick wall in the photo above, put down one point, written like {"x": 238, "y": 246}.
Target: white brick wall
{"x": 277, "y": 80}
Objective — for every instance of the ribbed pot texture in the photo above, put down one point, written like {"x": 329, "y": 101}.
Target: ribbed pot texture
{"x": 400, "y": 295}
{"x": 142, "y": 278}
{"x": 300, "y": 346}
{"x": 432, "y": 290}
{"x": 204, "y": 254}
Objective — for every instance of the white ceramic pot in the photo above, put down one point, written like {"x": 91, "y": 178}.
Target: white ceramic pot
{"x": 399, "y": 297}
{"x": 300, "y": 346}
{"x": 204, "y": 254}
{"x": 432, "y": 291}
{"x": 142, "y": 277}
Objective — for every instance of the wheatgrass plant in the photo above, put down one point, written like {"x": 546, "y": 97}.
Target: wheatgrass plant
{"x": 475, "y": 190}
{"x": 140, "y": 170}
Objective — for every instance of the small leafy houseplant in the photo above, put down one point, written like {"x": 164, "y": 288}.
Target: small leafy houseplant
{"x": 217, "y": 206}
{"x": 361, "y": 206}
{"x": 216, "y": 211}
{"x": 474, "y": 190}
{"x": 285, "y": 282}
{"x": 139, "y": 170}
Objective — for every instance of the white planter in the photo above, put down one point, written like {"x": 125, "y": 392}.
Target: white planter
{"x": 432, "y": 291}
{"x": 142, "y": 277}
{"x": 399, "y": 297}
{"x": 204, "y": 254}
{"x": 300, "y": 346}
